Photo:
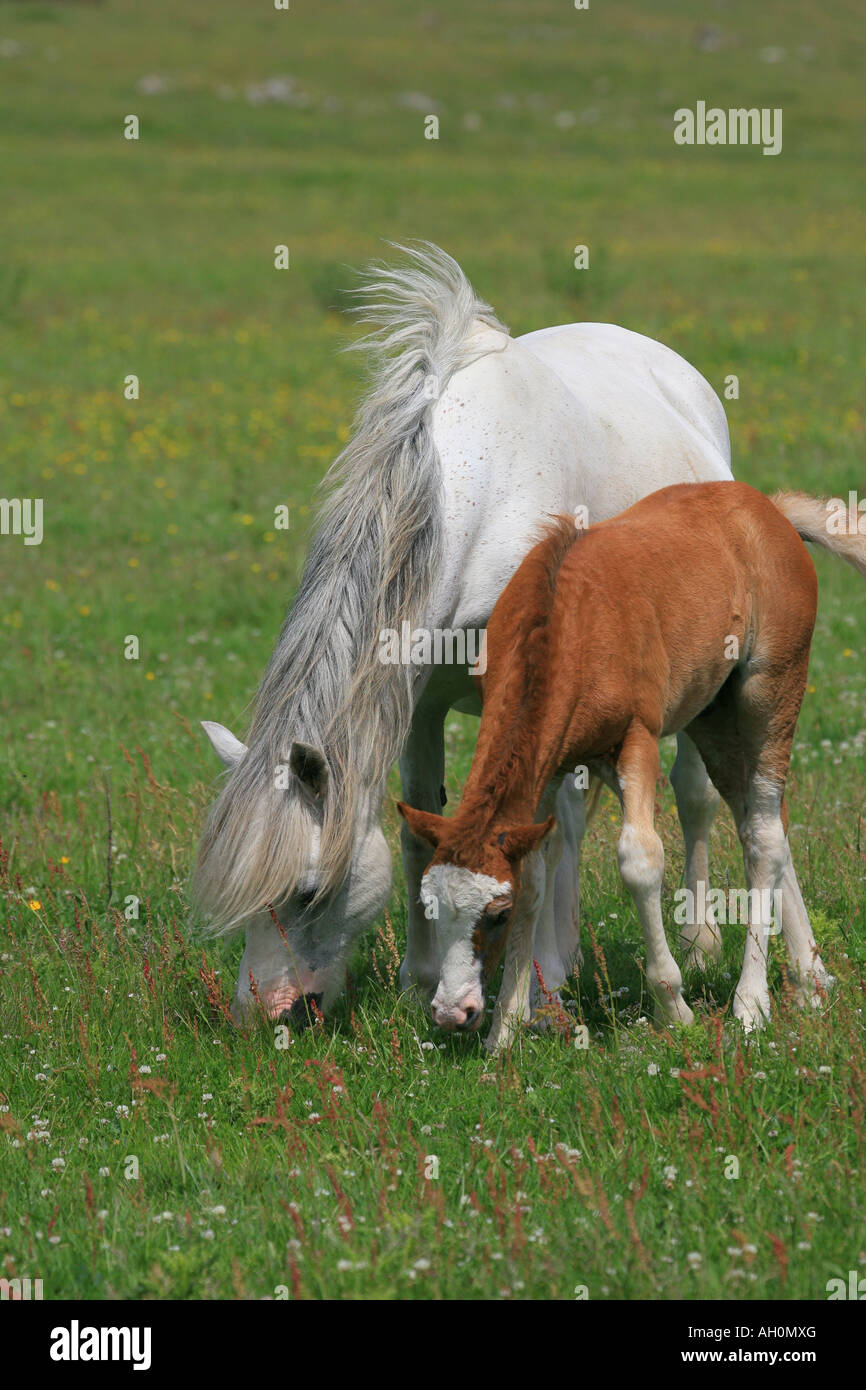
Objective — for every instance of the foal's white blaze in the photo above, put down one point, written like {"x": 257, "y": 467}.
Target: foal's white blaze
{"x": 460, "y": 897}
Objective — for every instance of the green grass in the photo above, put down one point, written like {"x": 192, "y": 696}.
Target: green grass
{"x": 156, "y": 258}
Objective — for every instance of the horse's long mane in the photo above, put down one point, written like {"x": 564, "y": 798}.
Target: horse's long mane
{"x": 371, "y": 565}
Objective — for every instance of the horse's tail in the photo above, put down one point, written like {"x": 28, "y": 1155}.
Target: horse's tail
{"x": 813, "y": 520}
{"x": 371, "y": 566}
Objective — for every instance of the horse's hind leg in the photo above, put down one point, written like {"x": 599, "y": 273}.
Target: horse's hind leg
{"x": 810, "y": 975}
{"x": 697, "y": 804}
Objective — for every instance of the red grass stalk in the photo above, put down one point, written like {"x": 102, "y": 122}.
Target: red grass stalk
{"x": 560, "y": 1018}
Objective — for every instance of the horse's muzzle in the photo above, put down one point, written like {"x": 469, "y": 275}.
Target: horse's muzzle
{"x": 304, "y": 1011}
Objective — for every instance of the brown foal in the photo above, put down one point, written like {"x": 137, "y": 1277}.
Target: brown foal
{"x": 694, "y": 611}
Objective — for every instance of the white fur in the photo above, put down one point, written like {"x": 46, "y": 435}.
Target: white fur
{"x": 458, "y": 897}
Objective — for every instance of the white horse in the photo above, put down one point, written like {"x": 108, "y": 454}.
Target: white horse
{"x": 467, "y": 439}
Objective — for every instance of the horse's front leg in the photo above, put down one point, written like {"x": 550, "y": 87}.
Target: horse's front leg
{"x": 697, "y": 804}
{"x": 422, "y": 770}
{"x": 557, "y": 930}
{"x": 574, "y": 810}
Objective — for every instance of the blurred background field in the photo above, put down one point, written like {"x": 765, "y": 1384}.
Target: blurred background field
{"x": 155, "y": 258}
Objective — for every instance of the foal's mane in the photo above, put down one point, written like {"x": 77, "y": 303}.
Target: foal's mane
{"x": 528, "y": 598}
{"x": 522, "y": 629}
{"x": 371, "y": 565}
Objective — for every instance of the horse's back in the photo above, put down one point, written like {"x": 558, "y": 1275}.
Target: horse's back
{"x": 614, "y": 362}
{"x": 582, "y": 416}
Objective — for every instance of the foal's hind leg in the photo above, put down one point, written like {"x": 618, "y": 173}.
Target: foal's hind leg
{"x": 697, "y": 804}
{"x": 765, "y": 848}
{"x": 745, "y": 739}
{"x": 641, "y": 859}
{"x": 756, "y": 804}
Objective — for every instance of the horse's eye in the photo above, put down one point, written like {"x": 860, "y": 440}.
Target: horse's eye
{"x": 304, "y": 898}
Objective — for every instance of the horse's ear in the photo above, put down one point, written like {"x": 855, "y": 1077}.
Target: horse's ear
{"x": 228, "y": 749}
{"x": 423, "y": 824}
{"x": 519, "y": 841}
{"x": 310, "y": 768}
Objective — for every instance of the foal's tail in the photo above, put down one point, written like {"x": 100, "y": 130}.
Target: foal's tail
{"x": 826, "y": 524}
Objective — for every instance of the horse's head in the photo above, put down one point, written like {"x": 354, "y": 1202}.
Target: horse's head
{"x": 469, "y": 890}
{"x": 298, "y": 946}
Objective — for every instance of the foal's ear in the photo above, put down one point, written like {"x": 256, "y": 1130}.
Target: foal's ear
{"x": 519, "y": 841}
{"x": 310, "y": 768}
{"x": 228, "y": 749}
{"x": 423, "y": 824}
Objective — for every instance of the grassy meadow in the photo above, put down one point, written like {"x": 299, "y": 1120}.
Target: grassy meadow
{"x": 147, "y": 1148}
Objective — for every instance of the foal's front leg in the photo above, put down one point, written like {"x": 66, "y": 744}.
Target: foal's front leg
{"x": 641, "y": 859}
{"x": 513, "y": 1001}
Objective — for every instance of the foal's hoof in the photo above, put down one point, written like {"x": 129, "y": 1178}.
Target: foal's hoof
{"x": 495, "y": 1042}
{"x": 752, "y": 1011}
{"x": 504, "y": 1030}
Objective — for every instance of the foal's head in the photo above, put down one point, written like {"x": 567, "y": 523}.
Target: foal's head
{"x": 469, "y": 891}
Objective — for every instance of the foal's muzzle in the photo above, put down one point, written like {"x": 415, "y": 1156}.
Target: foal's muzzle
{"x": 465, "y": 1019}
